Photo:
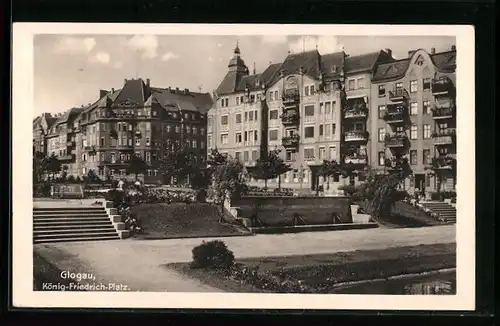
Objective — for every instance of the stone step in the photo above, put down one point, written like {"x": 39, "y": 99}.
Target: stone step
{"x": 58, "y": 232}
{"x": 103, "y": 214}
{"x": 57, "y": 226}
{"x": 61, "y": 212}
{"x": 69, "y": 239}
{"x": 72, "y": 234}
{"x": 68, "y": 208}
{"x": 70, "y": 219}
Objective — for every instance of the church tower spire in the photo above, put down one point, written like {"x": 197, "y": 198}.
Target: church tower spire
{"x": 236, "y": 64}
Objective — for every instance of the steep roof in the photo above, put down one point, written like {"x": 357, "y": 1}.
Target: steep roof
{"x": 444, "y": 61}
{"x": 134, "y": 91}
{"x": 191, "y": 101}
{"x": 69, "y": 115}
{"x": 361, "y": 63}
{"x": 332, "y": 64}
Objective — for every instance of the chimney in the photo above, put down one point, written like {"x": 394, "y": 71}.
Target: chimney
{"x": 112, "y": 90}
{"x": 389, "y": 52}
{"x": 410, "y": 53}
{"x": 102, "y": 93}
{"x": 433, "y": 50}
{"x": 186, "y": 91}
{"x": 177, "y": 89}
{"x": 253, "y": 68}
{"x": 453, "y": 48}
{"x": 147, "y": 82}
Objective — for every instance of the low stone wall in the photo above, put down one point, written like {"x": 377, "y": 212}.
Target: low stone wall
{"x": 289, "y": 211}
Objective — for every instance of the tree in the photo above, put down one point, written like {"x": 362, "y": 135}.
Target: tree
{"x": 270, "y": 167}
{"x": 53, "y": 165}
{"x": 228, "y": 181}
{"x": 40, "y": 164}
{"x": 386, "y": 189}
{"x": 328, "y": 169}
{"x": 436, "y": 170}
{"x": 136, "y": 166}
{"x": 176, "y": 162}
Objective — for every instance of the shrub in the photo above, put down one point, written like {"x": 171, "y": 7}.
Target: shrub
{"x": 71, "y": 179}
{"x": 41, "y": 190}
{"x": 213, "y": 254}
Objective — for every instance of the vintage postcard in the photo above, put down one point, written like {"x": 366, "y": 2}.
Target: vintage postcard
{"x": 244, "y": 166}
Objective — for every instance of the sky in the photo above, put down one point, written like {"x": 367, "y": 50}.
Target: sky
{"x": 69, "y": 70}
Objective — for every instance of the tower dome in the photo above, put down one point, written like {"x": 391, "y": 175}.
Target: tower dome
{"x": 236, "y": 63}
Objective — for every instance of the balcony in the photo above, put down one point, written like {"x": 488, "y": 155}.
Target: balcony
{"x": 118, "y": 115}
{"x": 444, "y": 136}
{"x": 290, "y": 118}
{"x": 395, "y": 140}
{"x": 114, "y": 163}
{"x": 356, "y": 159}
{"x": 441, "y": 86}
{"x": 291, "y": 97}
{"x": 356, "y": 135}
{"x": 290, "y": 141}
{"x": 443, "y": 113}
{"x": 90, "y": 149}
{"x": 445, "y": 162}
{"x": 355, "y": 110}
{"x": 398, "y": 95}
{"x": 68, "y": 157}
{"x": 395, "y": 115}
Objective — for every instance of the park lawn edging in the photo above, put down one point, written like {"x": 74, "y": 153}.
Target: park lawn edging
{"x": 324, "y": 273}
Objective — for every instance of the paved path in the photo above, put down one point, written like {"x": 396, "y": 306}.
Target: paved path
{"x": 139, "y": 263}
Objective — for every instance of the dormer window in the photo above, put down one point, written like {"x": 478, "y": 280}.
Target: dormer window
{"x": 334, "y": 68}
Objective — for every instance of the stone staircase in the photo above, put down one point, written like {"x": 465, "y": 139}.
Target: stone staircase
{"x": 443, "y": 212}
{"x": 63, "y": 224}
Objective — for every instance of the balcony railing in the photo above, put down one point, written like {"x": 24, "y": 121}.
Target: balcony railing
{"x": 356, "y": 159}
{"x": 115, "y": 162}
{"x": 441, "y": 86}
{"x": 356, "y": 135}
{"x": 68, "y": 157}
{"x": 291, "y": 96}
{"x": 394, "y": 116}
{"x": 399, "y": 139}
{"x": 443, "y": 113}
{"x": 357, "y": 111}
{"x": 290, "y": 141}
{"x": 398, "y": 94}
{"x": 290, "y": 117}
{"x": 444, "y": 136}
{"x": 445, "y": 162}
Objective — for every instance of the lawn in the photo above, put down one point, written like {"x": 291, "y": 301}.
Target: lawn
{"x": 321, "y": 273}
{"x": 178, "y": 220}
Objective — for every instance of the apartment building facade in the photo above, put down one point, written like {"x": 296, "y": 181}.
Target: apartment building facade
{"x": 135, "y": 120}
{"x": 300, "y": 106}
{"x": 414, "y": 110}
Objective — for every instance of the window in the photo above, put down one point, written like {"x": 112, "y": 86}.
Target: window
{"x": 246, "y": 116}
{"x": 237, "y": 155}
{"x": 399, "y": 85}
{"x": 245, "y": 156}
{"x": 273, "y": 114}
{"x": 413, "y": 157}
{"x": 328, "y": 107}
{"x": 427, "y": 132}
{"x": 223, "y": 139}
{"x": 427, "y": 83}
{"x": 413, "y": 86}
{"x": 333, "y": 153}
{"x": 414, "y": 132}
{"x": 414, "y": 108}
{"x": 168, "y": 128}
{"x": 224, "y": 120}
{"x": 321, "y": 127}
{"x": 289, "y": 156}
{"x": 321, "y": 153}
{"x": 381, "y": 158}
{"x": 328, "y": 131}
{"x": 273, "y": 134}
{"x": 352, "y": 84}
{"x": 426, "y": 156}
{"x": 194, "y": 144}
{"x": 309, "y": 110}
{"x": 137, "y": 142}
{"x": 309, "y": 132}
{"x": 246, "y": 136}
{"x": 148, "y": 156}
{"x": 426, "y": 107}
{"x": 154, "y": 113}
{"x": 238, "y": 118}
{"x": 381, "y": 134}
{"x": 195, "y": 131}
{"x": 102, "y": 143}
{"x": 252, "y": 98}
{"x": 276, "y": 95}
{"x": 255, "y": 115}
{"x": 255, "y": 136}
{"x": 177, "y": 129}
{"x": 227, "y": 102}
{"x": 381, "y": 90}
{"x": 255, "y": 155}
{"x": 238, "y": 138}
{"x": 381, "y": 111}
{"x": 237, "y": 101}
{"x": 202, "y": 131}
{"x": 309, "y": 153}
{"x": 361, "y": 83}
{"x": 250, "y": 116}
{"x": 306, "y": 91}
{"x": 148, "y": 142}
{"x": 188, "y": 129}
{"x": 333, "y": 129}
{"x": 271, "y": 96}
